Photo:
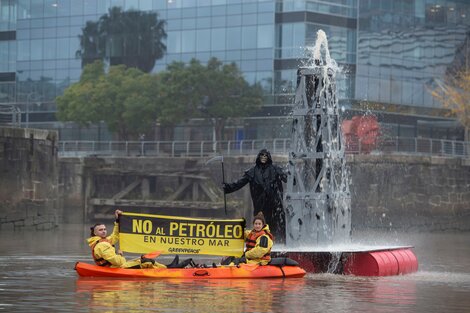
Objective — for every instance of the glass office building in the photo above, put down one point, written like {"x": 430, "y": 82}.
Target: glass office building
{"x": 390, "y": 52}
{"x": 403, "y": 47}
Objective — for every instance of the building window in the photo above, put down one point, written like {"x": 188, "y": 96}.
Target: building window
{"x": 218, "y": 39}
{"x": 188, "y": 42}
{"x": 249, "y": 37}
{"x": 265, "y": 36}
{"x": 203, "y": 40}
{"x": 7, "y": 15}
{"x": 174, "y": 42}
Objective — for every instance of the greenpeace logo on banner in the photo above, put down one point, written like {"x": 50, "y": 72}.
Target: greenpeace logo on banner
{"x": 143, "y": 233}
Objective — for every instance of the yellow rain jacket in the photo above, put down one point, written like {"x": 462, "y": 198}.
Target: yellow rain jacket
{"x": 105, "y": 250}
{"x": 258, "y": 246}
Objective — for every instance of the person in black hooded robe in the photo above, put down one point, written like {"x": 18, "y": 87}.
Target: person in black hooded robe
{"x": 266, "y": 190}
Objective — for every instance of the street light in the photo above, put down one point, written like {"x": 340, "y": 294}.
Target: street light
{"x": 204, "y": 108}
{"x": 28, "y": 101}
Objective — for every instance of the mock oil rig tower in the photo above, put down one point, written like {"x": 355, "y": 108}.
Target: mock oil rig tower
{"x": 317, "y": 199}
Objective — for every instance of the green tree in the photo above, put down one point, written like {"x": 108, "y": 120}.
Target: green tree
{"x": 453, "y": 91}
{"x": 214, "y": 91}
{"x": 132, "y": 38}
{"x": 124, "y": 98}
{"x": 454, "y": 94}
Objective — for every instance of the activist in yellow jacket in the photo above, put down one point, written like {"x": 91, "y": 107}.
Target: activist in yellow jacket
{"x": 258, "y": 246}
{"x": 104, "y": 253}
{"x": 258, "y": 242}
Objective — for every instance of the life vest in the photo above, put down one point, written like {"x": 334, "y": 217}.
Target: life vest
{"x": 250, "y": 241}
{"x": 100, "y": 261}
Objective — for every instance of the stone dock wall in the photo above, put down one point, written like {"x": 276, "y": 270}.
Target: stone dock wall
{"x": 410, "y": 192}
{"x": 396, "y": 192}
{"x": 387, "y": 191}
{"x": 29, "y": 181}
{"x": 40, "y": 190}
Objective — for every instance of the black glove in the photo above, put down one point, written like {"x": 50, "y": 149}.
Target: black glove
{"x": 117, "y": 214}
{"x": 237, "y": 261}
{"x": 225, "y": 187}
{"x": 143, "y": 259}
{"x": 227, "y": 260}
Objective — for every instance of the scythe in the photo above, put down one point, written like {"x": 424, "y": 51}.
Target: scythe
{"x": 221, "y": 158}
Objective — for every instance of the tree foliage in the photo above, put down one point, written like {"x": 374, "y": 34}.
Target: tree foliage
{"x": 454, "y": 94}
{"x": 133, "y": 38}
{"x": 454, "y": 90}
{"x": 131, "y": 101}
{"x": 461, "y": 58}
{"x": 214, "y": 91}
{"x": 124, "y": 98}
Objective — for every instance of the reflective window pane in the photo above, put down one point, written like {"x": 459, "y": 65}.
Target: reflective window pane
{"x": 203, "y": 40}
{"x": 188, "y": 42}
{"x": 249, "y": 37}
{"x": 218, "y": 39}
{"x": 23, "y": 50}
{"x": 4, "y": 56}
{"x": 233, "y": 38}
{"x": 265, "y": 36}
{"x": 76, "y": 8}
{"x": 174, "y": 42}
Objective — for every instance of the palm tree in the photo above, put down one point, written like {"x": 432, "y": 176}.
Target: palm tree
{"x": 133, "y": 38}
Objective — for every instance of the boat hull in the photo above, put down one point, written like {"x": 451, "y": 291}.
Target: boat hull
{"x": 223, "y": 272}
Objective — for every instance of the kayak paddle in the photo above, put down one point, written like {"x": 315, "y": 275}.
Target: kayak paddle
{"x": 152, "y": 255}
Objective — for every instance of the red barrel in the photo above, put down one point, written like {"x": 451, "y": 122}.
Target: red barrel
{"x": 305, "y": 260}
{"x": 381, "y": 263}
{"x": 407, "y": 261}
{"x": 377, "y": 263}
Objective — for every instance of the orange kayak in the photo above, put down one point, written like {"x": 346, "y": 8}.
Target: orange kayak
{"x": 241, "y": 271}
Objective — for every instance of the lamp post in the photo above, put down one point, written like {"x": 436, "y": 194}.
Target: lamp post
{"x": 204, "y": 108}
{"x": 27, "y": 111}
{"x": 28, "y": 101}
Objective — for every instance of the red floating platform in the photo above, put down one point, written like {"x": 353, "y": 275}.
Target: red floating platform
{"x": 372, "y": 262}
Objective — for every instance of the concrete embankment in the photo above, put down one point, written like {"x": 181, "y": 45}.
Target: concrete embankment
{"x": 29, "y": 181}
{"x": 387, "y": 191}
{"x": 37, "y": 189}
{"x": 403, "y": 192}
{"x": 410, "y": 192}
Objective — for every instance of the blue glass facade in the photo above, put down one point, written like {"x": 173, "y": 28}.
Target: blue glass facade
{"x": 390, "y": 50}
{"x": 403, "y": 46}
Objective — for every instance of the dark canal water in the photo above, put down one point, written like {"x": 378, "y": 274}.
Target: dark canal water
{"x": 36, "y": 275}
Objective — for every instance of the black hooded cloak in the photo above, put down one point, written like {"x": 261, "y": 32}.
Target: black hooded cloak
{"x": 266, "y": 193}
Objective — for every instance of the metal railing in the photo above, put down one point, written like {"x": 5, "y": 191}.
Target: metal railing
{"x": 10, "y": 115}
{"x": 171, "y": 148}
{"x": 395, "y": 145}
{"x": 413, "y": 145}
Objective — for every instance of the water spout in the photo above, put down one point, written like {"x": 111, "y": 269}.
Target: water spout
{"x": 317, "y": 198}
